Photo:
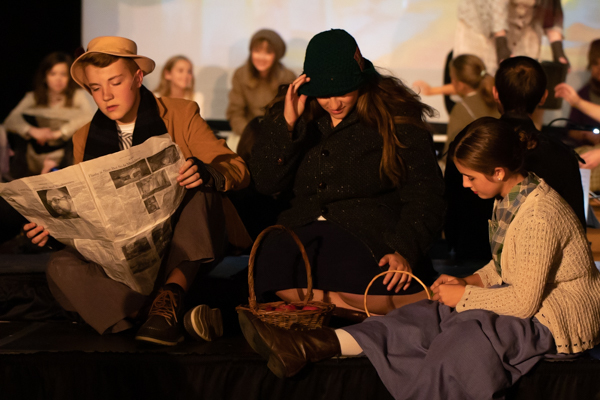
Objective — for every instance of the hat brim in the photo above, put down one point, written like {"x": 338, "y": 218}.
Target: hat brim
{"x": 328, "y": 86}
{"x": 78, "y": 73}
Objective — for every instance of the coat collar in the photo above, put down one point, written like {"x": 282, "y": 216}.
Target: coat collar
{"x": 103, "y": 137}
{"x": 324, "y": 122}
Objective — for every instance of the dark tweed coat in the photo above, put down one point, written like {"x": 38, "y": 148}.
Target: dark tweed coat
{"x": 334, "y": 172}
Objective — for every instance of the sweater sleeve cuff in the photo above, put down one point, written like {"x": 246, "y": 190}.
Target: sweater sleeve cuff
{"x": 463, "y": 303}
{"x": 488, "y": 275}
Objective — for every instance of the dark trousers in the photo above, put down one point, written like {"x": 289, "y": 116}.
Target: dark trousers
{"x": 83, "y": 286}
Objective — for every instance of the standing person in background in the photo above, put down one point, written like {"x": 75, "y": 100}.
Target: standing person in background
{"x": 474, "y": 85}
{"x": 177, "y": 81}
{"x": 57, "y": 100}
{"x": 256, "y": 82}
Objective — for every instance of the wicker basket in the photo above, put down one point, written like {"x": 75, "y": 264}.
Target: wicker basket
{"x": 394, "y": 272}
{"x": 295, "y": 319}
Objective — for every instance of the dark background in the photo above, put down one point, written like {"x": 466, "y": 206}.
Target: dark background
{"x": 31, "y": 29}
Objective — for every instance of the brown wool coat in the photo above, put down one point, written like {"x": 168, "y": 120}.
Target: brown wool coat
{"x": 249, "y": 96}
{"x": 195, "y": 138}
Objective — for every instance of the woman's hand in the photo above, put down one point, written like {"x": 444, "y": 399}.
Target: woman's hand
{"x": 41, "y": 135}
{"x": 294, "y": 103}
{"x": 396, "y": 263}
{"x": 38, "y": 234}
{"x": 189, "y": 176}
{"x": 567, "y": 92}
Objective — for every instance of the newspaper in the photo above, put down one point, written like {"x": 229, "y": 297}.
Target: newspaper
{"x": 115, "y": 210}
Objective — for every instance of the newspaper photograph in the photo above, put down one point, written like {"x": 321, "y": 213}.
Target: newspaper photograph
{"x": 115, "y": 210}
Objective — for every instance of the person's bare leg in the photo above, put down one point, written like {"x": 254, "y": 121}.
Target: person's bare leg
{"x": 176, "y": 276}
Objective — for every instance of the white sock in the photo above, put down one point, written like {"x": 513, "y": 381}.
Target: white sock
{"x": 348, "y": 344}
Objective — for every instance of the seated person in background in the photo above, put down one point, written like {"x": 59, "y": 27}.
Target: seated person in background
{"x": 474, "y": 85}
{"x": 256, "y": 82}
{"x": 127, "y": 115}
{"x": 57, "y": 99}
{"x": 520, "y": 85}
{"x": 539, "y": 294}
{"x": 589, "y": 92}
{"x": 177, "y": 81}
{"x": 367, "y": 193}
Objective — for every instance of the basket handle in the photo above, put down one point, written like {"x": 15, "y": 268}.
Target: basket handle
{"x": 259, "y": 238}
{"x": 394, "y": 272}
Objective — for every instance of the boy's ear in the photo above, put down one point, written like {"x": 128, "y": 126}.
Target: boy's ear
{"x": 544, "y": 97}
{"x": 138, "y": 78}
{"x": 497, "y": 100}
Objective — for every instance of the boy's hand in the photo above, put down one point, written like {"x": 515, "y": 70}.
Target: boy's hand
{"x": 38, "y": 234}
{"x": 189, "y": 176}
{"x": 193, "y": 174}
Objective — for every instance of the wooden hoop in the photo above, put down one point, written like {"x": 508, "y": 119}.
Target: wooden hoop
{"x": 393, "y": 272}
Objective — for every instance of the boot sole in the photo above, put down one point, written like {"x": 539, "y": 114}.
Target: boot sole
{"x": 203, "y": 322}
{"x": 150, "y": 339}
{"x": 257, "y": 343}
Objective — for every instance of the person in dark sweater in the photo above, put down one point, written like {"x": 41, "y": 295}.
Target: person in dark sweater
{"x": 353, "y": 149}
{"x": 520, "y": 86}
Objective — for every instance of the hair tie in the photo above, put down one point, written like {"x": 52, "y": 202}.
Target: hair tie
{"x": 483, "y": 73}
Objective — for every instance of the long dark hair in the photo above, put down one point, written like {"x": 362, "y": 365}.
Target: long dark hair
{"x": 383, "y": 102}
{"x": 40, "y": 87}
{"x": 488, "y": 143}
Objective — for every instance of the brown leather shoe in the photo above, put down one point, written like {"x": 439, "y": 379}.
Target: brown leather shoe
{"x": 287, "y": 351}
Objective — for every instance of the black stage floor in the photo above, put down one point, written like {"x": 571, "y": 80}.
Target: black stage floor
{"x": 44, "y": 355}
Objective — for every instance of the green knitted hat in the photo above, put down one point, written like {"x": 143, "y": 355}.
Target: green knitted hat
{"x": 334, "y": 65}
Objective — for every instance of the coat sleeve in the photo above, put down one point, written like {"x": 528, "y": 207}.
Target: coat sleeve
{"x": 202, "y": 143}
{"x": 277, "y": 153}
{"x": 537, "y": 247}
{"x": 236, "y": 109}
{"x": 421, "y": 196}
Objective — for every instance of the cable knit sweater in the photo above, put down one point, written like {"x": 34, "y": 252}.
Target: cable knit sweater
{"x": 549, "y": 273}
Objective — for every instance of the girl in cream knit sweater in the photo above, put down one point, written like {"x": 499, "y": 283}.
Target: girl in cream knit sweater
{"x": 538, "y": 296}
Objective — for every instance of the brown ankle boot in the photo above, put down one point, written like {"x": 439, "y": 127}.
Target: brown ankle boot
{"x": 287, "y": 351}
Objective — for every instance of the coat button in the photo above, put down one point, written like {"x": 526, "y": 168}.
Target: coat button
{"x": 324, "y": 210}
{"x": 322, "y": 185}
{"x": 280, "y": 161}
{"x": 325, "y": 153}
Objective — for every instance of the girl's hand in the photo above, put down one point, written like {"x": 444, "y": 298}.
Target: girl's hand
{"x": 294, "y": 103}
{"x": 38, "y": 234}
{"x": 449, "y": 293}
{"x": 41, "y": 135}
{"x": 423, "y": 87}
{"x": 189, "y": 176}
{"x": 567, "y": 92}
{"x": 443, "y": 279}
{"x": 396, "y": 263}
{"x": 591, "y": 158}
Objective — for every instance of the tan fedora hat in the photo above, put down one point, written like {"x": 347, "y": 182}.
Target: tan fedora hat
{"x": 115, "y": 46}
